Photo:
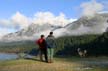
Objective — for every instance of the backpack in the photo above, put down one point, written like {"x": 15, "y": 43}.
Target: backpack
{"x": 41, "y": 43}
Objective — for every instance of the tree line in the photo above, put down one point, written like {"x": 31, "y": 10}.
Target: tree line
{"x": 67, "y": 45}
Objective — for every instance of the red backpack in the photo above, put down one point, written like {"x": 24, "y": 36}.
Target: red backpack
{"x": 41, "y": 43}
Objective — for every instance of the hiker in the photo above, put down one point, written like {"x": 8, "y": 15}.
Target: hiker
{"x": 50, "y": 47}
{"x": 42, "y": 48}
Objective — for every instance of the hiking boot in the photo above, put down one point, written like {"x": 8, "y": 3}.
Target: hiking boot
{"x": 50, "y": 61}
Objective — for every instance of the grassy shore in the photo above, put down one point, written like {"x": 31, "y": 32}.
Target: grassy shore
{"x": 60, "y": 64}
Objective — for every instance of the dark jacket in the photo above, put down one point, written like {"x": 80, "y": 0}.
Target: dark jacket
{"x": 50, "y": 40}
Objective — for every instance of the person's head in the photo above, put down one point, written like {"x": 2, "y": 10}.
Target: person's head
{"x": 51, "y": 33}
{"x": 42, "y": 36}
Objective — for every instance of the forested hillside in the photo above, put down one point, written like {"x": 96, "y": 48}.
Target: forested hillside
{"x": 94, "y": 44}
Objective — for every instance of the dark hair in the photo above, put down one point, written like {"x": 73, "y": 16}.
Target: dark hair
{"x": 42, "y": 36}
{"x": 51, "y": 33}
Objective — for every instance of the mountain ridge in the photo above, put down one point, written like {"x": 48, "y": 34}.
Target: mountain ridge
{"x": 96, "y": 24}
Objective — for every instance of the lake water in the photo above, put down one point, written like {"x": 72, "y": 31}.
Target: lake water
{"x": 10, "y": 56}
{"x": 7, "y": 56}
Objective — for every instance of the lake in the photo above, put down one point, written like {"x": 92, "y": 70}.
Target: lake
{"x": 8, "y": 56}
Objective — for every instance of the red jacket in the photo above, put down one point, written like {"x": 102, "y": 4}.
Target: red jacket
{"x": 41, "y": 43}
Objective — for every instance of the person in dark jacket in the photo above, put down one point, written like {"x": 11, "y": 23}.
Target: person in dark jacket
{"x": 42, "y": 47}
{"x": 50, "y": 40}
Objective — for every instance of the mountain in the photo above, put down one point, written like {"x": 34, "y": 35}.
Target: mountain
{"x": 96, "y": 24}
{"x": 86, "y": 29}
{"x": 33, "y": 31}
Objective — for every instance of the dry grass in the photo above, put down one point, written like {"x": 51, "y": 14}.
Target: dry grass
{"x": 59, "y": 64}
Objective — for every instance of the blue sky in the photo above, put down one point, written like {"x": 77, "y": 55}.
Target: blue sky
{"x": 10, "y": 9}
{"x": 29, "y": 7}
{"x": 71, "y": 8}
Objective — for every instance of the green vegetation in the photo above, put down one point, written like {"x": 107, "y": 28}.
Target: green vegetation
{"x": 94, "y": 44}
{"x": 16, "y": 47}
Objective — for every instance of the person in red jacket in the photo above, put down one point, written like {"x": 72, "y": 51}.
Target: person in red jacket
{"x": 42, "y": 47}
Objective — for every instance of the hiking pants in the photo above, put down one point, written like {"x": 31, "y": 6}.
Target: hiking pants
{"x": 43, "y": 52}
{"x": 50, "y": 53}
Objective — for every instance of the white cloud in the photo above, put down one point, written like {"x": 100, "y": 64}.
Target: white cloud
{"x": 3, "y": 31}
{"x": 5, "y": 23}
{"x": 92, "y": 7}
{"x": 19, "y": 21}
{"x": 50, "y": 18}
